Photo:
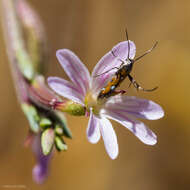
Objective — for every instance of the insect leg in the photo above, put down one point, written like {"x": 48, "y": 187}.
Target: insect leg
{"x": 138, "y": 87}
{"x": 129, "y": 85}
{"x": 118, "y": 92}
{"x": 147, "y": 52}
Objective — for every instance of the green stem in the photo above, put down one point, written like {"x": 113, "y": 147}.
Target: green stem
{"x": 14, "y": 40}
{"x": 36, "y": 41}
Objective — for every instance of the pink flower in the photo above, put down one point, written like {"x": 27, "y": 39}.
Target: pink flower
{"x": 84, "y": 89}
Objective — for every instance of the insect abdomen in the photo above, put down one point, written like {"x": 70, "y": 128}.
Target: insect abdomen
{"x": 109, "y": 89}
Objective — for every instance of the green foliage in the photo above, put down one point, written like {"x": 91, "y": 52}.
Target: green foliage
{"x": 60, "y": 144}
{"x": 47, "y": 141}
{"x": 32, "y": 116}
{"x": 45, "y": 122}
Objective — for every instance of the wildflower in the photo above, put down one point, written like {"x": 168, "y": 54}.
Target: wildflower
{"x": 84, "y": 89}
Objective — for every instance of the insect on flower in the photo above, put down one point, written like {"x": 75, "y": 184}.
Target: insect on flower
{"x": 83, "y": 89}
{"x": 122, "y": 72}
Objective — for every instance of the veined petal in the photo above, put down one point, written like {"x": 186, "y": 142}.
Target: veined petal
{"x": 109, "y": 137}
{"x": 93, "y": 131}
{"x": 65, "y": 89}
{"x": 141, "y": 108}
{"x": 75, "y": 69}
{"x": 136, "y": 127}
{"x": 122, "y": 51}
{"x": 108, "y": 62}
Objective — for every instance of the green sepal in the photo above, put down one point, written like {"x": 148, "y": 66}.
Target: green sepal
{"x": 58, "y": 130}
{"x": 45, "y": 122}
{"x": 25, "y": 64}
{"x": 32, "y": 116}
{"x": 63, "y": 123}
{"x": 47, "y": 141}
{"x": 35, "y": 50}
{"x": 60, "y": 144}
{"x": 72, "y": 108}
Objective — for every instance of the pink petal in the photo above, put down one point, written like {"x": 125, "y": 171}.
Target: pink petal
{"x": 75, "y": 69}
{"x": 109, "y": 137}
{"x": 65, "y": 89}
{"x": 141, "y": 108}
{"x": 108, "y": 62}
{"x": 93, "y": 131}
{"x": 136, "y": 127}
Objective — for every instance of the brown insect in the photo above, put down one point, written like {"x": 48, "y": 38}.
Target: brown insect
{"x": 123, "y": 72}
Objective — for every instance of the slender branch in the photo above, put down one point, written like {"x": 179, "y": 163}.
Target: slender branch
{"x": 35, "y": 34}
{"x": 14, "y": 41}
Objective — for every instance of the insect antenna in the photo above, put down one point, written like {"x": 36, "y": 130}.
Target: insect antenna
{"x": 122, "y": 62}
{"x": 128, "y": 42}
{"x": 147, "y": 52}
{"x": 105, "y": 72}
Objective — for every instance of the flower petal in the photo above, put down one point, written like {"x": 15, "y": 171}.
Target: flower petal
{"x": 109, "y": 137}
{"x": 93, "y": 131}
{"x": 136, "y": 127}
{"x": 65, "y": 89}
{"x": 75, "y": 69}
{"x": 40, "y": 171}
{"x": 141, "y": 108}
{"x": 108, "y": 62}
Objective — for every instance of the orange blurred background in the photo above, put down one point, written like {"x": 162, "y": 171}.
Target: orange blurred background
{"x": 90, "y": 29}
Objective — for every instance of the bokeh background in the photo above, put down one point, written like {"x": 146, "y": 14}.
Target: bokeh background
{"x": 90, "y": 29}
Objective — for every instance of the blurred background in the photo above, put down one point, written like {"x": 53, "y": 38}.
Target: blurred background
{"x": 90, "y": 29}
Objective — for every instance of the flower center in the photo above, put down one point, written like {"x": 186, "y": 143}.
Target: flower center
{"x": 91, "y": 102}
